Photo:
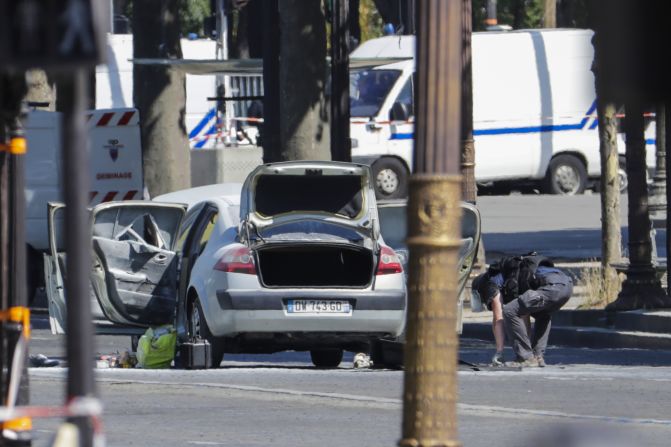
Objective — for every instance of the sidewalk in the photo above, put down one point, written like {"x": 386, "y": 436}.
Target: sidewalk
{"x": 571, "y": 326}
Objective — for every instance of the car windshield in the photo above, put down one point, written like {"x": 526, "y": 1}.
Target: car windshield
{"x": 368, "y": 89}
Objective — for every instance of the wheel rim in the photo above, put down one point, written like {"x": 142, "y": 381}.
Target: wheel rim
{"x": 387, "y": 181}
{"x": 567, "y": 179}
{"x": 195, "y": 322}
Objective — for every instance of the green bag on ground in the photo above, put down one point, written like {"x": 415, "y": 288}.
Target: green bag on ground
{"x": 156, "y": 348}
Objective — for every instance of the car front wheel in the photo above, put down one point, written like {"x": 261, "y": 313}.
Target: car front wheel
{"x": 198, "y": 329}
{"x": 326, "y": 358}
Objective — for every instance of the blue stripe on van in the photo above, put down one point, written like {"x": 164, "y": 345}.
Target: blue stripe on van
{"x": 530, "y": 129}
{"x": 651, "y": 141}
{"x": 202, "y": 123}
{"x": 401, "y": 136}
{"x": 521, "y": 130}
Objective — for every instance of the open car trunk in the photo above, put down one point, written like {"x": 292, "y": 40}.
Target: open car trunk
{"x": 315, "y": 265}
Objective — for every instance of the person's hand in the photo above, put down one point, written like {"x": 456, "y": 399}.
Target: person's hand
{"x": 497, "y": 360}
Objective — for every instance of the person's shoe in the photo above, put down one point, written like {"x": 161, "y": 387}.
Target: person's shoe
{"x": 541, "y": 361}
{"x": 531, "y": 362}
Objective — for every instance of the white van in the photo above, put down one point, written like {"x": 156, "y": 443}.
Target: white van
{"x": 115, "y": 170}
{"x": 534, "y": 111}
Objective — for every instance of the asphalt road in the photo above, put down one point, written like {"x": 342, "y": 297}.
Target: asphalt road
{"x": 615, "y": 397}
{"x": 565, "y": 228}
{"x": 281, "y": 400}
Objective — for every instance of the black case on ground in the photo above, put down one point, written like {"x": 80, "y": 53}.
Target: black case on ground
{"x": 195, "y": 354}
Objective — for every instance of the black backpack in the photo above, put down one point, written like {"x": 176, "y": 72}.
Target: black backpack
{"x": 519, "y": 274}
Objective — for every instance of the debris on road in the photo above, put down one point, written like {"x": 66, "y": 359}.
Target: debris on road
{"x": 42, "y": 361}
{"x": 362, "y": 361}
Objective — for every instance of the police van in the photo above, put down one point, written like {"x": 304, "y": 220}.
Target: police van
{"x": 534, "y": 111}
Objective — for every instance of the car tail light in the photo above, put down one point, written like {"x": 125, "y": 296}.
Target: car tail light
{"x": 237, "y": 260}
{"x": 389, "y": 262}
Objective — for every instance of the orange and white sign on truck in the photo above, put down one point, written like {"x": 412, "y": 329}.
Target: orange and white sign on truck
{"x": 115, "y": 170}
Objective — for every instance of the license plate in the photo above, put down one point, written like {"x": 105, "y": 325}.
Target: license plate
{"x": 332, "y": 307}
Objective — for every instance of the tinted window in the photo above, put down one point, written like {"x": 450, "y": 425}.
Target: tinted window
{"x": 368, "y": 89}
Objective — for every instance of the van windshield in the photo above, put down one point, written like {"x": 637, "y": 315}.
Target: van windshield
{"x": 368, "y": 89}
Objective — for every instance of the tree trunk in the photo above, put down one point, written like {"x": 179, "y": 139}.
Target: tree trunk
{"x": 611, "y": 242}
{"x": 303, "y": 107}
{"x": 160, "y": 95}
{"x": 549, "y": 13}
{"x": 341, "y": 146}
{"x": 40, "y": 90}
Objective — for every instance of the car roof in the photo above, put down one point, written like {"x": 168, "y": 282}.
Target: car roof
{"x": 230, "y": 192}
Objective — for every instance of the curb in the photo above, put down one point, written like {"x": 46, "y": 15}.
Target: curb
{"x": 585, "y": 337}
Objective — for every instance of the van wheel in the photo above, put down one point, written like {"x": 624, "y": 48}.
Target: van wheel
{"x": 198, "y": 329}
{"x": 566, "y": 176}
{"x": 391, "y": 178}
{"x": 326, "y": 358}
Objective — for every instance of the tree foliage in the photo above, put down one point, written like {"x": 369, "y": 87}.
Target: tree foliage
{"x": 192, "y": 13}
{"x": 370, "y": 20}
{"x": 522, "y": 14}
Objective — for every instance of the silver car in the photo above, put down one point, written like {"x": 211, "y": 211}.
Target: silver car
{"x": 292, "y": 259}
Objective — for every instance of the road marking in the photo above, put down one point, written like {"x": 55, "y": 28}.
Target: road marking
{"x": 391, "y": 403}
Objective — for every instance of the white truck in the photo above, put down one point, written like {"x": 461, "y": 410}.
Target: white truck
{"x": 115, "y": 170}
{"x": 534, "y": 111}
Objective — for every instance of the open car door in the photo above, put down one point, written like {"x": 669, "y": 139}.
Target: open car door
{"x": 134, "y": 266}
{"x": 393, "y": 226}
{"x": 470, "y": 239}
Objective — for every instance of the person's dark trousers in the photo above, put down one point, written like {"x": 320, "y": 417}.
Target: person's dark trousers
{"x": 540, "y": 304}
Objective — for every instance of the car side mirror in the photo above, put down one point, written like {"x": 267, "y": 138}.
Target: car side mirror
{"x": 399, "y": 112}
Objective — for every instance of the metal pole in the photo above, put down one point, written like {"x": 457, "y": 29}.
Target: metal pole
{"x": 434, "y": 214}
{"x": 658, "y": 187}
{"x": 79, "y": 339}
{"x": 4, "y": 260}
{"x": 468, "y": 186}
{"x": 667, "y": 124}
{"x": 22, "y": 427}
{"x": 15, "y": 321}
{"x": 341, "y": 146}
{"x": 642, "y": 288}
{"x": 491, "y": 19}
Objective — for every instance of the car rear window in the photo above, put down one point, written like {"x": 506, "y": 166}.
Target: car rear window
{"x": 335, "y": 194}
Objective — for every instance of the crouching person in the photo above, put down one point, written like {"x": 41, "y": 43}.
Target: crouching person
{"x": 516, "y": 289}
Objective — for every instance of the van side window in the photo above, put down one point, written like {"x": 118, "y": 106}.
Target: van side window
{"x": 406, "y": 96}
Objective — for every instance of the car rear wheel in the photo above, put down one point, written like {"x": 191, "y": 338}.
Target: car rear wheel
{"x": 566, "y": 176}
{"x": 326, "y": 358}
{"x": 198, "y": 329}
{"x": 391, "y": 178}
